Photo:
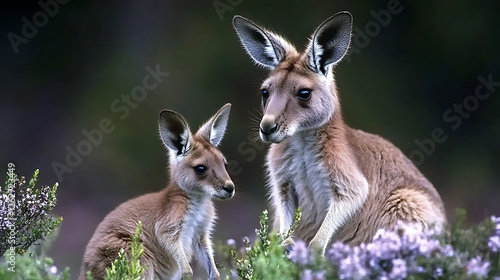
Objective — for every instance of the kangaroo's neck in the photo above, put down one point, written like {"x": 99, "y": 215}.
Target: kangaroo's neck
{"x": 333, "y": 132}
{"x": 174, "y": 192}
{"x": 330, "y": 135}
{"x": 330, "y": 144}
{"x": 338, "y": 157}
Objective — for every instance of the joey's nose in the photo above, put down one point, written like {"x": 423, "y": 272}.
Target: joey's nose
{"x": 268, "y": 128}
{"x": 229, "y": 187}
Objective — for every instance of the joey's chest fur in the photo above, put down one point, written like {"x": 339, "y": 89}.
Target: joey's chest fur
{"x": 296, "y": 163}
{"x": 195, "y": 224}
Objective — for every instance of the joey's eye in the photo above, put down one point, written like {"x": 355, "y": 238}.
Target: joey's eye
{"x": 304, "y": 94}
{"x": 200, "y": 169}
{"x": 265, "y": 93}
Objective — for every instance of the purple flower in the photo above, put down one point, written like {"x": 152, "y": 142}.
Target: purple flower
{"x": 309, "y": 275}
{"x": 494, "y": 243}
{"x": 438, "y": 272}
{"x": 385, "y": 245}
{"x": 231, "y": 242}
{"x": 299, "y": 253}
{"x": 496, "y": 220}
{"x": 399, "y": 270}
{"x": 319, "y": 275}
{"x": 352, "y": 268}
{"x": 410, "y": 240}
{"x": 429, "y": 246}
{"x": 478, "y": 267}
{"x": 306, "y": 275}
{"x": 337, "y": 252}
{"x": 234, "y": 274}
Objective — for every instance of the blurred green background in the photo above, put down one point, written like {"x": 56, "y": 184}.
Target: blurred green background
{"x": 409, "y": 71}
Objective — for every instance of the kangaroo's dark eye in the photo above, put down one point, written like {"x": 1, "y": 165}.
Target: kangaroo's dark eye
{"x": 200, "y": 169}
{"x": 265, "y": 93}
{"x": 265, "y": 96}
{"x": 304, "y": 94}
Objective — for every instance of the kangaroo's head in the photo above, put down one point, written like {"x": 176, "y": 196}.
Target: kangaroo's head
{"x": 196, "y": 165}
{"x": 300, "y": 92}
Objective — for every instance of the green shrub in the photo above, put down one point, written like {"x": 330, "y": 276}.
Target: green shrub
{"x": 409, "y": 252}
{"x": 24, "y": 217}
{"x": 125, "y": 268}
{"x": 458, "y": 252}
{"x": 26, "y": 230}
{"x": 266, "y": 259}
{"x": 33, "y": 264}
{"x": 32, "y": 267}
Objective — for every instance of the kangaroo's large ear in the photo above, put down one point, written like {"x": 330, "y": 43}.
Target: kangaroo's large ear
{"x": 264, "y": 47}
{"x": 213, "y": 130}
{"x": 174, "y": 132}
{"x": 330, "y": 42}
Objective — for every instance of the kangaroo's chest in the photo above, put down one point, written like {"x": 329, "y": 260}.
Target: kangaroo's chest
{"x": 194, "y": 225}
{"x": 299, "y": 165}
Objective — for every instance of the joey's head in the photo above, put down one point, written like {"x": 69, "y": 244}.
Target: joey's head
{"x": 196, "y": 165}
{"x": 300, "y": 92}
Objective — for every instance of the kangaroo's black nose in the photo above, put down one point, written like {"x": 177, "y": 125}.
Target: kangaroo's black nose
{"x": 228, "y": 187}
{"x": 268, "y": 128}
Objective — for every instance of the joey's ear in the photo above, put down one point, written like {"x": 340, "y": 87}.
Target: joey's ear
{"x": 264, "y": 47}
{"x": 174, "y": 132}
{"x": 213, "y": 130}
{"x": 330, "y": 42}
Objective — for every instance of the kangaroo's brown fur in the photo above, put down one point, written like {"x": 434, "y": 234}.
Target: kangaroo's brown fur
{"x": 348, "y": 183}
{"x": 178, "y": 220}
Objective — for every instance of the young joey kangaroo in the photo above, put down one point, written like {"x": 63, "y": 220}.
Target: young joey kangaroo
{"x": 177, "y": 221}
{"x": 348, "y": 183}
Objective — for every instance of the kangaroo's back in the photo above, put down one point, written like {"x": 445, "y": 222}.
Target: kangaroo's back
{"x": 398, "y": 190}
{"x": 117, "y": 228}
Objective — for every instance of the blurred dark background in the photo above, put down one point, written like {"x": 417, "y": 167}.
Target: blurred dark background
{"x": 401, "y": 79}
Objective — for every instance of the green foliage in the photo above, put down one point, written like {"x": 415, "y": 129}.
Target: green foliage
{"x": 25, "y": 224}
{"x": 469, "y": 241}
{"x": 24, "y": 211}
{"x": 32, "y": 265}
{"x": 457, "y": 252}
{"x": 266, "y": 259}
{"x": 124, "y": 268}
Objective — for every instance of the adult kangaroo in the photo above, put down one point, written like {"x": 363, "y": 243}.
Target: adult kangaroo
{"x": 348, "y": 183}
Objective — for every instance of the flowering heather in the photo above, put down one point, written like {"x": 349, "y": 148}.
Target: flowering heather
{"x": 494, "y": 241}
{"x": 354, "y": 265}
{"x": 398, "y": 270}
{"x": 478, "y": 267}
{"x": 24, "y": 211}
{"x": 310, "y": 275}
{"x": 406, "y": 252}
{"x": 299, "y": 253}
